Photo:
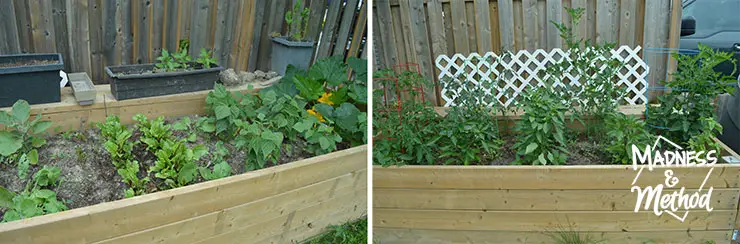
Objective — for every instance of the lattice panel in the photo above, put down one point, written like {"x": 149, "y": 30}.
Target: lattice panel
{"x": 525, "y": 68}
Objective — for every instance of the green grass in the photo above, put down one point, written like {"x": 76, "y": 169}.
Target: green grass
{"x": 350, "y": 233}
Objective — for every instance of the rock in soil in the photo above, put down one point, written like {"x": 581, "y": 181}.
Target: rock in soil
{"x": 229, "y": 77}
{"x": 247, "y": 77}
{"x": 259, "y": 74}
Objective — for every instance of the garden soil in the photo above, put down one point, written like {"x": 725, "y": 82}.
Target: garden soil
{"x": 582, "y": 151}
{"x": 88, "y": 177}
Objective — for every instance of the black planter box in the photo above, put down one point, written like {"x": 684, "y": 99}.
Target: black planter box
{"x": 135, "y": 85}
{"x": 34, "y": 83}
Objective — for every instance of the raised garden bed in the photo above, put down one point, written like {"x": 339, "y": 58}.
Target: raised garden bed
{"x": 527, "y": 204}
{"x": 539, "y": 155}
{"x": 288, "y": 202}
{"x": 32, "y": 77}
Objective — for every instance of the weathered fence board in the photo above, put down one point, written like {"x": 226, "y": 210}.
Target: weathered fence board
{"x": 92, "y": 34}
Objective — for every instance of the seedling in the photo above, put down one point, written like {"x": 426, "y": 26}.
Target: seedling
{"x": 205, "y": 58}
{"x": 301, "y": 23}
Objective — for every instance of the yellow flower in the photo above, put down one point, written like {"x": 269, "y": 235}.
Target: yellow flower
{"x": 325, "y": 98}
{"x": 316, "y": 114}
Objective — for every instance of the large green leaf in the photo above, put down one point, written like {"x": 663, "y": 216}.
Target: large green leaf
{"x": 21, "y": 111}
{"x": 346, "y": 117}
{"x": 41, "y": 126}
{"x": 325, "y": 110}
{"x": 310, "y": 89}
{"x": 359, "y": 67}
{"x": 5, "y": 118}
{"x": 358, "y": 93}
{"x": 9, "y": 143}
{"x": 339, "y": 96}
{"x": 222, "y": 169}
{"x": 6, "y": 198}
{"x": 222, "y": 111}
{"x": 330, "y": 69}
{"x": 187, "y": 173}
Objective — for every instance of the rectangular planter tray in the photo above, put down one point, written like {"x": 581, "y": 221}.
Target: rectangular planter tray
{"x": 34, "y": 83}
{"x": 128, "y": 86}
{"x": 517, "y": 204}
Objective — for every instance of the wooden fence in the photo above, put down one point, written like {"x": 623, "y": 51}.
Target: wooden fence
{"x": 411, "y": 31}
{"x": 92, "y": 34}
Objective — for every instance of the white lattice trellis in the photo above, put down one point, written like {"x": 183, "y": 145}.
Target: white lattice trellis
{"x": 525, "y": 67}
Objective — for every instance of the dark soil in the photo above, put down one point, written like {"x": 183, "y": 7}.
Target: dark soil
{"x": 28, "y": 63}
{"x": 581, "y": 151}
{"x": 89, "y": 177}
{"x": 153, "y": 69}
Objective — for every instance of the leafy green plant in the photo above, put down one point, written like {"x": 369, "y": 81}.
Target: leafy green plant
{"x": 167, "y": 62}
{"x": 67, "y": 135}
{"x": 348, "y": 119}
{"x": 221, "y": 168}
{"x": 225, "y": 109}
{"x": 405, "y": 137}
{"x": 81, "y": 155}
{"x": 36, "y": 199}
{"x": 469, "y": 133}
{"x": 175, "y": 163}
{"x": 705, "y": 140}
{"x": 21, "y": 137}
{"x": 120, "y": 148}
{"x": 182, "y": 58}
{"x": 136, "y": 185}
{"x": 153, "y": 132}
{"x": 623, "y": 132}
{"x": 185, "y": 124}
{"x": 321, "y": 138}
{"x": 277, "y": 112}
{"x": 541, "y": 128}
{"x": 117, "y": 141}
{"x": 693, "y": 89}
{"x": 260, "y": 143}
{"x": 205, "y": 58}
{"x": 302, "y": 22}
{"x": 597, "y": 97}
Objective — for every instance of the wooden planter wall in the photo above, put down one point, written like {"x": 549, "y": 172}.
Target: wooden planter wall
{"x": 520, "y": 204}
{"x": 282, "y": 204}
